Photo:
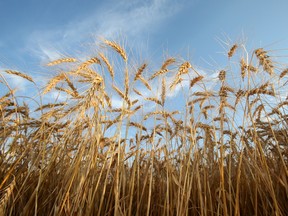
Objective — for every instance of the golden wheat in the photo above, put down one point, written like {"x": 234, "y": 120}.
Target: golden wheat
{"x": 60, "y": 61}
{"x": 117, "y": 48}
{"x": 108, "y": 65}
{"x": 264, "y": 60}
{"x": 141, "y": 159}
{"x": 140, "y": 71}
{"x": 163, "y": 91}
{"x": 144, "y": 81}
{"x": 17, "y": 73}
{"x": 232, "y": 50}
{"x": 53, "y": 82}
{"x": 222, "y": 75}
{"x": 196, "y": 80}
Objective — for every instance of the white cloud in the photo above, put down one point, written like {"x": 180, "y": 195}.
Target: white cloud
{"x": 209, "y": 80}
{"x": 16, "y": 82}
{"x": 130, "y": 20}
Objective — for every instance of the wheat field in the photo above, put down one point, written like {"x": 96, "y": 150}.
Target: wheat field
{"x": 221, "y": 149}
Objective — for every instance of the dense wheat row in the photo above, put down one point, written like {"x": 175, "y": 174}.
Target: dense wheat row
{"x": 222, "y": 151}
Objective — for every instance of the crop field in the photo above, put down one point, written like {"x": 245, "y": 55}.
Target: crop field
{"x": 124, "y": 136}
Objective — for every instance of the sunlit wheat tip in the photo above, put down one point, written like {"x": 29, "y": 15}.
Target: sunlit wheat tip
{"x": 17, "y": 73}
{"x": 62, "y": 60}
{"x": 117, "y": 48}
{"x": 195, "y": 80}
{"x": 264, "y": 60}
{"x": 53, "y": 82}
{"x": 283, "y": 73}
{"x": 140, "y": 71}
{"x": 222, "y": 75}
{"x": 183, "y": 69}
{"x": 108, "y": 65}
{"x": 168, "y": 62}
{"x": 145, "y": 82}
{"x": 232, "y": 50}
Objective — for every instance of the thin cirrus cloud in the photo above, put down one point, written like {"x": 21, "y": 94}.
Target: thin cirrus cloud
{"x": 132, "y": 20}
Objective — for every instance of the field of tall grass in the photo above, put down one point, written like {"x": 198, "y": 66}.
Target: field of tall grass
{"x": 180, "y": 142}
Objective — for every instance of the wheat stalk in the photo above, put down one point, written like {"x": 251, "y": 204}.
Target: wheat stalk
{"x": 117, "y": 48}
{"x": 6, "y": 194}
{"x": 184, "y": 68}
{"x": 85, "y": 64}
{"x": 50, "y": 105}
{"x": 264, "y": 60}
{"x": 140, "y": 71}
{"x": 60, "y": 61}
{"x": 137, "y": 125}
{"x": 53, "y": 82}
{"x": 232, "y": 50}
{"x": 107, "y": 63}
{"x": 222, "y": 75}
{"x": 163, "y": 91}
{"x": 195, "y": 80}
{"x": 154, "y": 100}
{"x": 137, "y": 92}
{"x": 145, "y": 83}
{"x": 283, "y": 73}
{"x": 17, "y": 73}
{"x": 168, "y": 62}
{"x": 158, "y": 73}
{"x": 175, "y": 82}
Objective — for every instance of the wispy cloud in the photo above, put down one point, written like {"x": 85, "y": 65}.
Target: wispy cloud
{"x": 16, "y": 82}
{"x": 132, "y": 20}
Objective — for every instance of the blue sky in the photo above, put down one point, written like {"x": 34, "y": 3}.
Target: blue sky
{"x": 34, "y": 32}
{"x": 30, "y": 25}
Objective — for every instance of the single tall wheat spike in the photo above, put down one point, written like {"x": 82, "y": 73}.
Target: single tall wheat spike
{"x": 283, "y": 73}
{"x": 163, "y": 69}
{"x": 6, "y": 194}
{"x": 184, "y": 68}
{"x": 107, "y": 63}
{"x": 155, "y": 100}
{"x": 60, "y": 61}
{"x": 117, "y": 48}
{"x": 140, "y": 71}
{"x": 145, "y": 82}
{"x": 168, "y": 62}
{"x": 85, "y": 64}
{"x": 53, "y": 82}
{"x": 163, "y": 91}
{"x": 158, "y": 73}
{"x": 264, "y": 60}
{"x": 17, "y": 73}
{"x": 222, "y": 75}
{"x": 195, "y": 80}
{"x": 232, "y": 50}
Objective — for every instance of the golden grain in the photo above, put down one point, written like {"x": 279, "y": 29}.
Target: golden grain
{"x": 264, "y": 60}
{"x": 144, "y": 81}
{"x": 196, "y": 80}
{"x": 108, "y": 65}
{"x": 117, "y": 48}
{"x": 60, "y": 61}
{"x": 53, "y": 82}
{"x": 222, "y": 75}
{"x": 17, "y": 73}
{"x": 232, "y": 50}
{"x": 163, "y": 91}
{"x": 158, "y": 73}
{"x": 140, "y": 71}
